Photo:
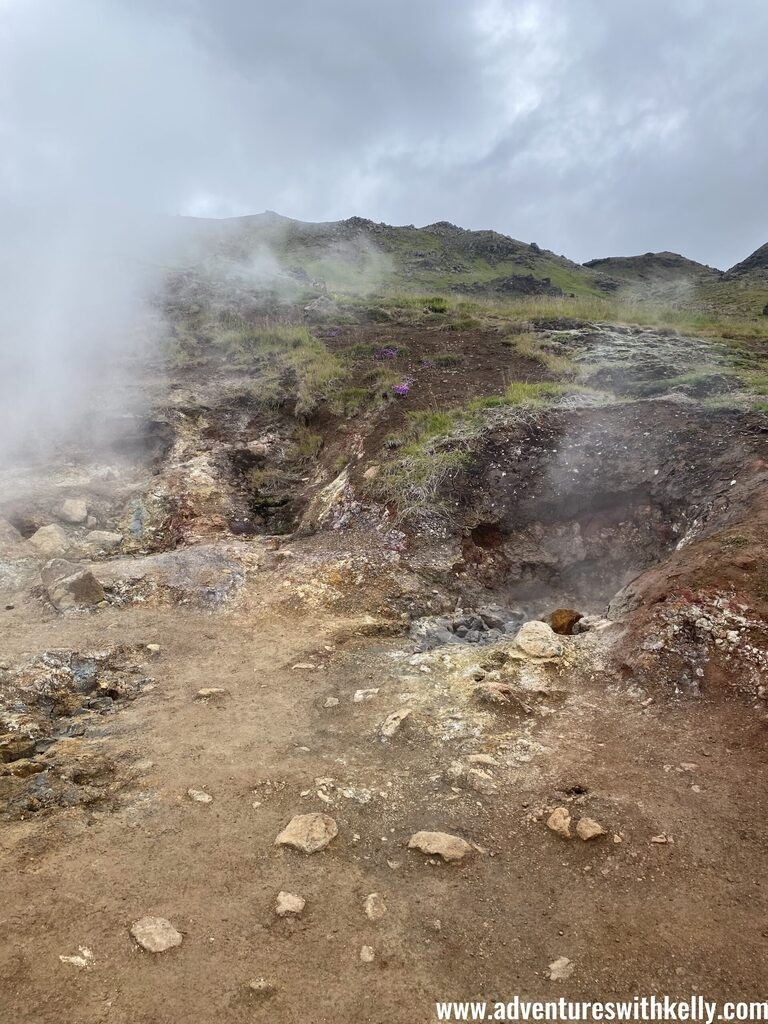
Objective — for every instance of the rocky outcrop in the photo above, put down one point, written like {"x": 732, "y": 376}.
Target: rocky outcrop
{"x": 70, "y": 586}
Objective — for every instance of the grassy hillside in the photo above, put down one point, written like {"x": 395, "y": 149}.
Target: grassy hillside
{"x": 357, "y": 257}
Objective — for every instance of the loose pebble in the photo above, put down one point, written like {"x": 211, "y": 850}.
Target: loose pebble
{"x": 375, "y": 907}
{"x": 391, "y": 724}
{"x": 360, "y": 696}
{"x": 440, "y": 844}
{"x": 84, "y": 958}
{"x": 155, "y": 934}
{"x": 559, "y": 821}
{"x": 199, "y": 796}
{"x": 560, "y": 969}
{"x": 308, "y": 832}
{"x": 588, "y": 828}
{"x": 289, "y": 904}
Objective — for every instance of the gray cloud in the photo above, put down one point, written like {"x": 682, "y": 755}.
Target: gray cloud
{"x": 594, "y": 128}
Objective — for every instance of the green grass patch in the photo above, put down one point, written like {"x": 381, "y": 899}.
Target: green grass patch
{"x": 306, "y": 446}
{"x": 434, "y": 446}
{"x": 531, "y": 346}
{"x": 521, "y": 392}
{"x": 288, "y": 355}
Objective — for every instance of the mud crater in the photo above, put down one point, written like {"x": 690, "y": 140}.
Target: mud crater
{"x": 565, "y": 508}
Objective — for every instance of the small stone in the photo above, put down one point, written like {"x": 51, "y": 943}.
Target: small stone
{"x": 155, "y": 934}
{"x": 308, "y": 832}
{"x": 289, "y": 904}
{"x": 83, "y": 959}
{"x": 367, "y": 955}
{"x": 481, "y": 782}
{"x": 199, "y": 796}
{"x": 374, "y": 906}
{"x": 440, "y": 844}
{"x": 392, "y": 723}
{"x": 486, "y": 759}
{"x": 74, "y": 510}
{"x": 362, "y": 695}
{"x": 560, "y": 821}
{"x": 304, "y": 666}
{"x": 371, "y": 473}
{"x": 560, "y": 969}
{"x": 153, "y": 649}
{"x": 261, "y": 987}
{"x": 588, "y": 828}
{"x": 211, "y": 693}
{"x": 330, "y": 702}
{"x": 660, "y": 839}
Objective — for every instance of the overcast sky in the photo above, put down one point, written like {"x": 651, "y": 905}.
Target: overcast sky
{"x": 593, "y": 127}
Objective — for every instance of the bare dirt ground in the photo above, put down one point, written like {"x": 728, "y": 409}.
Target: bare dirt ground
{"x": 681, "y": 917}
{"x": 652, "y": 724}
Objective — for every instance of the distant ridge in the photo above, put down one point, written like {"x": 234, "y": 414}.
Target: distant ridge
{"x": 441, "y": 257}
{"x": 651, "y": 264}
{"x": 754, "y": 266}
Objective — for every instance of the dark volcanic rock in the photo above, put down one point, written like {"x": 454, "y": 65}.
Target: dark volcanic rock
{"x": 514, "y": 284}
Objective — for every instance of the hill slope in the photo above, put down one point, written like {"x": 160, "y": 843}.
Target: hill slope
{"x": 754, "y": 267}
{"x": 657, "y": 276}
{"x": 357, "y": 253}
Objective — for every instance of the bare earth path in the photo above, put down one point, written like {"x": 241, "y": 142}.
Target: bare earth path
{"x": 682, "y": 917}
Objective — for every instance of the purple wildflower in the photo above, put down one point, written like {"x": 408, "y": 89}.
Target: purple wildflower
{"x": 404, "y": 387}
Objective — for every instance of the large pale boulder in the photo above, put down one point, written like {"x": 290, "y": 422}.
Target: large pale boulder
{"x": 74, "y": 510}
{"x": 537, "y": 640}
{"x": 50, "y": 541}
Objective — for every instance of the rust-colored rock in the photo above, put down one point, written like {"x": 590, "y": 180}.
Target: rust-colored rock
{"x": 562, "y": 620}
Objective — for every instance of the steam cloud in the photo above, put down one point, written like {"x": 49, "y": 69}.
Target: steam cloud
{"x": 547, "y": 119}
